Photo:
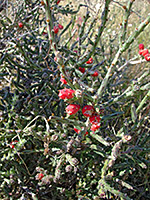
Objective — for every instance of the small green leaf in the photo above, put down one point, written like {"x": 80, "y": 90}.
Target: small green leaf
{"x": 100, "y": 139}
{"x": 133, "y": 113}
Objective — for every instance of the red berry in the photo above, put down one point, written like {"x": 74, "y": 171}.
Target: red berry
{"x": 60, "y": 26}
{"x": 20, "y": 24}
{"x": 44, "y": 33}
{"x": 95, "y": 119}
{"x": 56, "y": 29}
{"x": 86, "y": 133}
{"x": 94, "y": 127}
{"x": 72, "y": 109}
{"x": 145, "y": 51}
{"x": 90, "y": 61}
{"x": 66, "y": 93}
{"x": 141, "y": 46}
{"x": 95, "y": 74}
{"x": 63, "y": 80}
{"x": 78, "y": 131}
{"x": 140, "y": 52}
{"x": 147, "y": 57}
{"x": 58, "y": 2}
{"x": 82, "y": 69}
{"x": 40, "y": 176}
{"x": 12, "y": 144}
{"x": 87, "y": 110}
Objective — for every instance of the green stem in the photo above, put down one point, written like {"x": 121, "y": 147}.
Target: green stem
{"x": 66, "y": 121}
{"x": 143, "y": 101}
{"x": 104, "y": 169}
{"x": 120, "y": 51}
{"x": 105, "y": 80}
{"x": 125, "y": 22}
{"x": 81, "y": 31}
{"x": 112, "y": 190}
{"x": 135, "y": 34}
{"x": 50, "y": 25}
{"x": 100, "y": 31}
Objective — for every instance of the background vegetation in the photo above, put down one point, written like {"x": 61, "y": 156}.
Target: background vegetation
{"x": 41, "y": 156}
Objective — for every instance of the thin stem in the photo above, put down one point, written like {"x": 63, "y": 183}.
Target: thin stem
{"x": 125, "y": 22}
{"x": 50, "y": 25}
{"x": 120, "y": 51}
{"x": 135, "y": 34}
{"x": 143, "y": 101}
{"x": 100, "y": 31}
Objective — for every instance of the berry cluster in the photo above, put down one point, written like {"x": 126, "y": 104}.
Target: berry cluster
{"x": 88, "y": 110}
{"x": 82, "y": 69}
{"x": 56, "y": 28}
{"x": 144, "y": 52}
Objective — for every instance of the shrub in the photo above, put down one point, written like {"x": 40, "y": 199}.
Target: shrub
{"x": 51, "y": 67}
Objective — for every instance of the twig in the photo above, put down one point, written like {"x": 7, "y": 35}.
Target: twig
{"x": 120, "y": 51}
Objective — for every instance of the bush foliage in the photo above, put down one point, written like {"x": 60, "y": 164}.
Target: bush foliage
{"x": 48, "y": 151}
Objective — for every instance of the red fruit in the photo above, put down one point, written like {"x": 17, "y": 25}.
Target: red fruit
{"x": 55, "y": 58}
{"x": 141, "y": 46}
{"x": 58, "y": 2}
{"x": 66, "y": 93}
{"x": 63, "y": 80}
{"x": 145, "y": 51}
{"x": 95, "y": 119}
{"x": 44, "y": 33}
{"x": 12, "y": 144}
{"x": 95, "y": 74}
{"x": 60, "y": 26}
{"x": 82, "y": 69}
{"x": 78, "y": 131}
{"x": 40, "y": 176}
{"x": 86, "y": 133}
{"x": 147, "y": 57}
{"x": 56, "y": 29}
{"x": 87, "y": 110}
{"x": 72, "y": 109}
{"x": 20, "y": 24}
{"x": 140, "y": 52}
{"x": 90, "y": 61}
{"x": 94, "y": 127}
